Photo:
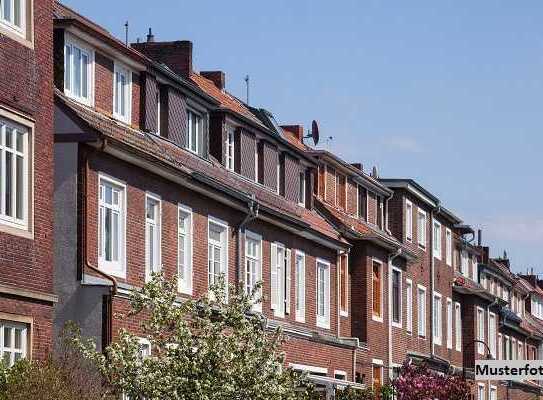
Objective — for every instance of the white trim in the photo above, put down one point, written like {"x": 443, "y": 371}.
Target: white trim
{"x": 225, "y": 230}
{"x": 149, "y": 269}
{"x": 492, "y": 341}
{"x": 374, "y": 317}
{"x": 480, "y": 346}
{"x": 458, "y": 326}
{"x": 70, "y": 40}
{"x": 117, "y": 268}
{"x": 437, "y": 330}
{"x": 479, "y": 386}
{"x": 408, "y": 221}
{"x": 450, "y": 319}
{"x": 422, "y": 240}
{"x": 408, "y": 305}
{"x": 340, "y": 372}
{"x": 230, "y": 144}
{"x": 199, "y": 131}
{"x": 250, "y": 235}
{"x": 300, "y": 313}
{"x": 376, "y": 361}
{"x": 423, "y": 333}
{"x": 323, "y": 321}
{"x": 121, "y": 68}
{"x": 344, "y": 313}
{"x": 437, "y": 253}
{"x": 448, "y": 247}
{"x": 398, "y": 324}
{"x": 302, "y": 184}
{"x": 187, "y": 286}
{"x": 308, "y": 368}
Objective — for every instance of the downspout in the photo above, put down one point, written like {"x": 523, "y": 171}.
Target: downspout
{"x": 432, "y": 277}
{"x": 252, "y": 214}
{"x": 87, "y": 264}
{"x": 391, "y": 258}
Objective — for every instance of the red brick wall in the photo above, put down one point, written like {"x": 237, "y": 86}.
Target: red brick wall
{"x": 103, "y": 88}
{"x": 26, "y": 77}
{"x": 136, "y": 100}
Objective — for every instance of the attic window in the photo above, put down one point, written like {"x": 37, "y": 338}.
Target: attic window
{"x": 195, "y": 131}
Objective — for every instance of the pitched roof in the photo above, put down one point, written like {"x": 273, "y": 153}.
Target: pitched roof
{"x": 160, "y": 149}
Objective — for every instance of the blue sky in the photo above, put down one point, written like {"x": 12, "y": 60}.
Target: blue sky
{"x": 449, "y": 93}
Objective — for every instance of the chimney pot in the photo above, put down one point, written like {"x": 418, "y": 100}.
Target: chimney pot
{"x": 218, "y": 78}
{"x": 150, "y": 36}
{"x": 479, "y": 237}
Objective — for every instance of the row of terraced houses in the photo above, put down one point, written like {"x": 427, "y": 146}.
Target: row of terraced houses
{"x": 117, "y": 161}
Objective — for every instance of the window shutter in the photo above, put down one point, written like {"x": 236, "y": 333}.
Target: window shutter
{"x": 273, "y": 278}
{"x": 288, "y": 272}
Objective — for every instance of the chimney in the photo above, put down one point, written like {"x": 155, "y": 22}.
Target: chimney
{"x": 486, "y": 254}
{"x": 296, "y": 130}
{"x": 176, "y": 55}
{"x": 479, "y": 237}
{"x": 358, "y": 166}
{"x": 150, "y": 36}
{"x": 218, "y": 78}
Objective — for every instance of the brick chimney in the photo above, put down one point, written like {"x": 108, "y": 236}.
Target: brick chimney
{"x": 218, "y": 78}
{"x": 297, "y": 131}
{"x": 176, "y": 55}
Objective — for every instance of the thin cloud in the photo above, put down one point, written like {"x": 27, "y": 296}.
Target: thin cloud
{"x": 403, "y": 143}
{"x": 518, "y": 229}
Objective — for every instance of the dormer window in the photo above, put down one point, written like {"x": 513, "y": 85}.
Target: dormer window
{"x": 229, "y": 156}
{"x": 78, "y": 82}
{"x": 301, "y": 191}
{"x": 195, "y": 131}
{"x": 122, "y": 93}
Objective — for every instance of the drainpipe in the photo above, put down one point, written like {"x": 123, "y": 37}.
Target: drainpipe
{"x": 108, "y": 332}
{"x": 391, "y": 258}
{"x": 432, "y": 277}
{"x": 252, "y": 214}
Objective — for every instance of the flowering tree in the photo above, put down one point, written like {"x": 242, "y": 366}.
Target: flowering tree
{"x": 206, "y": 348}
{"x": 419, "y": 383}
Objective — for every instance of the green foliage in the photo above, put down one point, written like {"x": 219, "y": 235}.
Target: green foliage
{"x": 355, "y": 394}
{"x": 206, "y": 349}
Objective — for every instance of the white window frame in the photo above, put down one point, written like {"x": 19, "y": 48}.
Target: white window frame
{"x": 194, "y": 147}
{"x": 300, "y": 291}
{"x": 256, "y": 262}
{"x": 481, "y": 391}
{"x": 230, "y": 149}
{"x": 186, "y": 233}
{"x": 223, "y": 245}
{"x": 12, "y": 350}
{"x": 449, "y": 323}
{"x": 436, "y": 240}
{"x": 157, "y": 225}
{"x": 474, "y": 271}
{"x": 492, "y": 330}
{"x": 279, "y": 277}
{"x": 464, "y": 263}
{"x": 408, "y": 221}
{"x": 513, "y": 348}
{"x": 378, "y": 318}
{"x": 116, "y": 268}
{"x": 421, "y": 316}
{"x": 24, "y": 132}
{"x": 10, "y": 23}
{"x": 507, "y": 344}
{"x": 437, "y": 318}
{"x": 73, "y": 42}
{"x": 499, "y": 355}
{"x": 399, "y": 323}
{"x": 409, "y": 306}
{"x": 323, "y": 320}
{"x": 480, "y": 330}
{"x": 302, "y": 190}
{"x": 458, "y": 326}
{"x": 493, "y": 393}
{"x": 421, "y": 229}
{"x": 119, "y": 68}
{"x": 344, "y": 313}
{"x": 256, "y": 161}
{"x": 448, "y": 247}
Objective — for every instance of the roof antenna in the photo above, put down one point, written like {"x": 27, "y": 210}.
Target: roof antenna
{"x": 126, "y": 33}
{"x": 247, "y": 88}
{"x": 329, "y": 141}
{"x": 150, "y": 36}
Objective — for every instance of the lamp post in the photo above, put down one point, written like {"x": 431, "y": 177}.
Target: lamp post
{"x": 488, "y": 355}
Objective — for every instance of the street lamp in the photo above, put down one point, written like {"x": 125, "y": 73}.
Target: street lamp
{"x": 488, "y": 355}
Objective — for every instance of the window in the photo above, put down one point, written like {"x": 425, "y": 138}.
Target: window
{"x": 421, "y": 314}
{"x": 122, "y": 93}
{"x": 513, "y": 349}
{"x": 493, "y": 393}
{"x": 78, "y": 82}
{"x": 473, "y": 268}
{"x": 195, "y": 131}
{"x": 448, "y": 247}
{"x": 458, "y": 326}
{"x": 300, "y": 286}
{"x": 301, "y": 189}
{"x": 341, "y": 375}
{"x": 421, "y": 228}
{"x": 520, "y": 351}
{"x": 449, "y": 323}
{"x": 111, "y": 226}
{"x": 152, "y": 235}
{"x": 464, "y": 263}
{"x": 13, "y": 15}
{"x": 280, "y": 279}
{"x": 323, "y": 294}
{"x": 409, "y": 305}
{"x": 230, "y": 149}
{"x": 506, "y": 348}
{"x": 217, "y": 252}
{"x": 408, "y": 221}
{"x": 396, "y": 297}
{"x": 437, "y": 240}
{"x": 13, "y": 342}
{"x": 14, "y": 174}
{"x": 344, "y": 284}
{"x": 481, "y": 391}
{"x": 253, "y": 266}
{"x": 377, "y": 372}
{"x": 500, "y": 347}
{"x": 492, "y": 334}
{"x": 438, "y": 319}
{"x": 480, "y": 330}
{"x": 377, "y": 291}
{"x": 362, "y": 203}
{"x": 184, "y": 252}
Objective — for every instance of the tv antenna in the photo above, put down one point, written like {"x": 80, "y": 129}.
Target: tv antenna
{"x": 126, "y": 33}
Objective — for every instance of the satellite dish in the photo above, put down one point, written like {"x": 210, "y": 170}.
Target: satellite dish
{"x": 315, "y": 132}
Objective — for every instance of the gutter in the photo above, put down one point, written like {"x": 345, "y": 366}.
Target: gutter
{"x": 252, "y": 213}
{"x": 391, "y": 258}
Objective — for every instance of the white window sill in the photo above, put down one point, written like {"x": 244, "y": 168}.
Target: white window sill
{"x": 397, "y": 325}
{"x": 437, "y": 342}
{"x": 323, "y": 325}
{"x": 184, "y": 290}
{"x": 82, "y": 100}
{"x": 113, "y": 270}
{"x": 15, "y": 34}
{"x": 344, "y": 313}
{"x": 16, "y": 230}
{"x": 376, "y": 318}
{"x": 125, "y": 120}
{"x": 437, "y": 257}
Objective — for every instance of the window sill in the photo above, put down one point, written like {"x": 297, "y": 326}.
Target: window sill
{"x": 113, "y": 271}
{"x": 397, "y": 325}
{"x": 323, "y": 325}
{"x": 80, "y": 100}
{"x": 344, "y": 313}
{"x": 124, "y": 120}
{"x": 16, "y": 230}
{"x": 15, "y": 35}
{"x": 376, "y": 318}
